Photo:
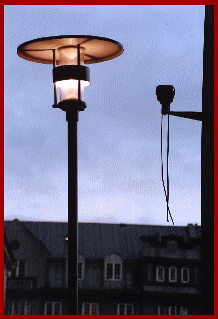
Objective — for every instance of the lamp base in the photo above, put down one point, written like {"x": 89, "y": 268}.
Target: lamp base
{"x": 69, "y": 104}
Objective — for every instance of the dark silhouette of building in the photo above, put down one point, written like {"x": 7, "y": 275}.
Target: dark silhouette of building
{"x": 123, "y": 269}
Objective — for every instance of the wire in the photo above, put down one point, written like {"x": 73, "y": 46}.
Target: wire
{"x": 166, "y": 191}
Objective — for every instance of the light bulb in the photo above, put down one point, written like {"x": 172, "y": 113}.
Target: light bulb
{"x": 69, "y": 89}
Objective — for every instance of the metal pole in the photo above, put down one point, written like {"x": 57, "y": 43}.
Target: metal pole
{"x": 207, "y": 164}
{"x": 207, "y": 159}
{"x": 55, "y": 87}
{"x": 72, "y": 117}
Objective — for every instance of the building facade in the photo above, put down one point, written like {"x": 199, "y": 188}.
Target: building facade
{"x": 122, "y": 269}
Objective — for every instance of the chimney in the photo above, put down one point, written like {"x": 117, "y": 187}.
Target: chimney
{"x": 192, "y": 231}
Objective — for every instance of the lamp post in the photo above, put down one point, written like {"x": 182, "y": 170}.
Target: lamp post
{"x": 70, "y": 78}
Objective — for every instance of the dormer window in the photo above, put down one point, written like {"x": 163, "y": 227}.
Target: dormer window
{"x": 113, "y": 268}
{"x": 109, "y": 271}
{"x": 19, "y": 269}
{"x": 113, "y": 271}
{"x": 117, "y": 271}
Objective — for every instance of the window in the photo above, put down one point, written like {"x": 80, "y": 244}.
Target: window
{"x": 185, "y": 275}
{"x": 80, "y": 270}
{"x": 172, "y": 310}
{"x": 53, "y": 308}
{"x": 160, "y": 274}
{"x": 18, "y": 270}
{"x": 56, "y": 274}
{"x": 90, "y": 308}
{"x": 109, "y": 271}
{"x": 125, "y": 309}
{"x": 16, "y": 308}
{"x": 48, "y": 308}
{"x": 161, "y": 310}
{"x": 117, "y": 271}
{"x": 113, "y": 267}
{"x": 129, "y": 309}
{"x": 172, "y": 274}
{"x": 81, "y": 267}
{"x": 27, "y": 309}
{"x": 21, "y": 307}
{"x": 113, "y": 271}
{"x": 183, "y": 310}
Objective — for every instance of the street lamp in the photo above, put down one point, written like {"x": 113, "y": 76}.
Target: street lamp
{"x": 68, "y": 54}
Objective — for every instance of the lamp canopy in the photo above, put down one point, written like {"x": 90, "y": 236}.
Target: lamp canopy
{"x": 96, "y": 49}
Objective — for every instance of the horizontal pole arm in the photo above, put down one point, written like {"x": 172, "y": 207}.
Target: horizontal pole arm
{"x": 198, "y": 116}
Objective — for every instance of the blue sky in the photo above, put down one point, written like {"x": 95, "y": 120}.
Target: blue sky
{"x": 119, "y": 163}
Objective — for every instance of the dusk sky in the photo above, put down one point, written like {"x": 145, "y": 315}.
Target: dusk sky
{"x": 119, "y": 159}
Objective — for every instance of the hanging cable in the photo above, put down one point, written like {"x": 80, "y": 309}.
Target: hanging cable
{"x": 165, "y": 191}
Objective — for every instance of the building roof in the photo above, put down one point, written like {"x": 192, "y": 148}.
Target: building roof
{"x": 96, "y": 240}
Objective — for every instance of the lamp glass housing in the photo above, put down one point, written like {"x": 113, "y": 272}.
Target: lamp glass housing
{"x": 69, "y": 88}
